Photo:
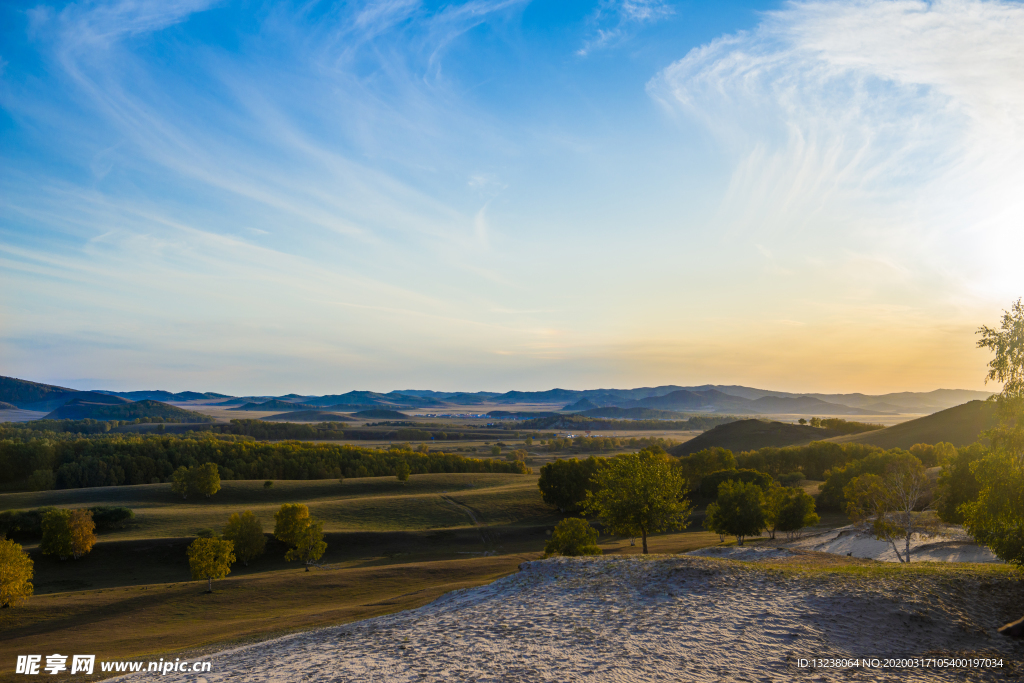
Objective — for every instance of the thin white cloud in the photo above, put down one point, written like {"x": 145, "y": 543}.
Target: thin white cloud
{"x": 872, "y": 127}
{"x": 616, "y": 20}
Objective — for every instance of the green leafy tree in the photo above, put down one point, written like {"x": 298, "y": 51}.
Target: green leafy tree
{"x": 245, "y": 531}
{"x": 15, "y": 574}
{"x": 210, "y": 558}
{"x": 710, "y": 483}
{"x": 790, "y": 510}
{"x": 572, "y": 537}
{"x": 738, "y": 511}
{"x": 290, "y": 521}
{"x": 566, "y": 483}
{"x": 203, "y": 480}
{"x": 640, "y": 492}
{"x": 958, "y": 484}
{"x": 179, "y": 482}
{"x": 696, "y": 466}
{"x": 402, "y": 471}
{"x": 996, "y": 517}
{"x": 888, "y": 501}
{"x": 309, "y": 544}
{"x": 496, "y": 451}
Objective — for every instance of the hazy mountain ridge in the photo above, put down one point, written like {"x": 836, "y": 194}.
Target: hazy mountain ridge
{"x": 707, "y": 398}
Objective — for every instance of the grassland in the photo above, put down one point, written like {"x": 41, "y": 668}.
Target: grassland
{"x": 391, "y": 546}
{"x": 960, "y": 426}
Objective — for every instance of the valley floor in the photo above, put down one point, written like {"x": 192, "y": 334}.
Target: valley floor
{"x": 667, "y": 618}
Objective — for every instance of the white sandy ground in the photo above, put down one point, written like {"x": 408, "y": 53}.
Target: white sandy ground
{"x": 666, "y": 618}
{"x": 951, "y": 545}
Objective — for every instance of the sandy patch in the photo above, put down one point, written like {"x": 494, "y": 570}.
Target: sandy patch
{"x": 667, "y": 618}
{"x": 857, "y": 541}
{"x": 746, "y": 553}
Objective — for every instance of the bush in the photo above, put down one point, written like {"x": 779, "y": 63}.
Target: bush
{"x": 573, "y": 537}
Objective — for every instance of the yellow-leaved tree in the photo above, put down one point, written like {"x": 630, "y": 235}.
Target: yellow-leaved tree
{"x": 294, "y": 526}
{"x": 67, "y": 533}
{"x": 15, "y": 574}
{"x": 210, "y": 558}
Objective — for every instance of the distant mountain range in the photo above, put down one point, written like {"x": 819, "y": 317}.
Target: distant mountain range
{"x": 730, "y": 399}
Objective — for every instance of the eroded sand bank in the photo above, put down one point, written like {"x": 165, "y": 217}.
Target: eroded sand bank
{"x": 667, "y": 618}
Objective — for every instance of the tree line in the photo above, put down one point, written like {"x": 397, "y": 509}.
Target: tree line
{"x": 583, "y": 423}
{"x": 591, "y": 444}
{"x": 114, "y": 460}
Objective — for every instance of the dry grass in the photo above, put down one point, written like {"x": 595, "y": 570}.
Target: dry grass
{"x": 158, "y": 620}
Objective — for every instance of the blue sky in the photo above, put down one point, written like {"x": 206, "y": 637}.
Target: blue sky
{"x": 503, "y": 194}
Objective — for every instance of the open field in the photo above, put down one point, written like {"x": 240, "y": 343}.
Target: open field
{"x": 372, "y": 503}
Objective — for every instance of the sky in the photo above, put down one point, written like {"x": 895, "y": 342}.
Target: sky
{"x": 315, "y": 197}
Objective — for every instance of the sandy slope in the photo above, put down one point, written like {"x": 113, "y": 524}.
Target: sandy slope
{"x": 855, "y": 541}
{"x": 668, "y": 618}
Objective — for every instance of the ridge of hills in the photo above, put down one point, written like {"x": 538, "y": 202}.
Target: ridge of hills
{"x": 160, "y": 395}
{"x": 707, "y": 398}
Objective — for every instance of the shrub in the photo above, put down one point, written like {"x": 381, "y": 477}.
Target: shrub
{"x": 572, "y": 537}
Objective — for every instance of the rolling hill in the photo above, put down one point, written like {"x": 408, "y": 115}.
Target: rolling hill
{"x": 7, "y": 406}
{"x": 25, "y": 394}
{"x": 582, "y": 404}
{"x": 749, "y": 435}
{"x": 960, "y": 426}
{"x": 79, "y": 409}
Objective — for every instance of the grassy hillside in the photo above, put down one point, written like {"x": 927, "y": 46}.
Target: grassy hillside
{"x": 959, "y": 426}
{"x": 82, "y": 410}
{"x": 749, "y": 435}
{"x": 22, "y": 392}
{"x": 372, "y": 503}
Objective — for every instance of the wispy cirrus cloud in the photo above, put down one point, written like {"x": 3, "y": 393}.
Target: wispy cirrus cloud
{"x": 617, "y": 20}
{"x": 873, "y": 129}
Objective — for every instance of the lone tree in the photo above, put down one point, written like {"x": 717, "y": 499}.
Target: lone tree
{"x": 402, "y": 471}
{"x": 573, "y": 537}
{"x": 210, "y": 558}
{"x": 888, "y": 501}
{"x": 203, "y": 480}
{"x": 640, "y": 492}
{"x": 15, "y": 574}
{"x": 245, "y": 531}
{"x": 309, "y": 545}
{"x": 738, "y": 511}
{"x": 67, "y": 533}
{"x": 293, "y": 525}
{"x": 996, "y": 517}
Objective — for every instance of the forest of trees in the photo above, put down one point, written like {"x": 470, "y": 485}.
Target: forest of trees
{"x": 112, "y": 460}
